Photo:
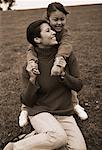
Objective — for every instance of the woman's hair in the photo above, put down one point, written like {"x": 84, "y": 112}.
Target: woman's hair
{"x": 33, "y": 31}
{"x": 55, "y": 6}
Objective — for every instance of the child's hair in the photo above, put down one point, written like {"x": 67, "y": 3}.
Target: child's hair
{"x": 33, "y": 31}
{"x": 55, "y": 6}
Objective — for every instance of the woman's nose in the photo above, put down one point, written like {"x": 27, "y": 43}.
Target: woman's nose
{"x": 53, "y": 32}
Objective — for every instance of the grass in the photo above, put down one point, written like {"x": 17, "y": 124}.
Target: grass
{"x": 85, "y": 23}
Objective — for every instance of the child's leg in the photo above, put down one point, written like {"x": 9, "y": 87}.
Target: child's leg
{"x": 74, "y": 98}
{"x": 32, "y": 60}
{"x": 77, "y": 108}
{"x": 23, "y": 117}
{"x": 31, "y": 54}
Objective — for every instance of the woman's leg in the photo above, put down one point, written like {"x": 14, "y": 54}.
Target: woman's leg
{"x": 75, "y": 140}
{"x": 50, "y": 135}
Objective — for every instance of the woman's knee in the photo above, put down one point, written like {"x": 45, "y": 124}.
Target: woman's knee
{"x": 56, "y": 139}
{"x": 77, "y": 147}
{"x": 77, "y": 144}
{"x": 81, "y": 145}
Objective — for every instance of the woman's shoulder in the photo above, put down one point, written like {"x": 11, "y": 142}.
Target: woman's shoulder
{"x": 71, "y": 58}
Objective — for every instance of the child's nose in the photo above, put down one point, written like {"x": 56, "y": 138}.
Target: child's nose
{"x": 59, "y": 22}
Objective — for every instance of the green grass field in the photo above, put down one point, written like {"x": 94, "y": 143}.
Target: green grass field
{"x": 85, "y": 23}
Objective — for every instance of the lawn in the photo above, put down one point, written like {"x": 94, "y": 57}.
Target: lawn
{"x": 85, "y": 23}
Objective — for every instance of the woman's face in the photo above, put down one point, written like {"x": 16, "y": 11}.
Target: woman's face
{"x": 57, "y": 20}
{"x": 48, "y": 37}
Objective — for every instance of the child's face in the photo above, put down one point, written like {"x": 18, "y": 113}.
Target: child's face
{"x": 57, "y": 20}
{"x": 48, "y": 37}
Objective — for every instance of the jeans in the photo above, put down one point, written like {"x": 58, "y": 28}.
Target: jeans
{"x": 53, "y": 132}
{"x": 75, "y": 140}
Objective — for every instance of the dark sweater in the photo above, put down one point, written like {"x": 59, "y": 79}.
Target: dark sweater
{"x": 51, "y": 93}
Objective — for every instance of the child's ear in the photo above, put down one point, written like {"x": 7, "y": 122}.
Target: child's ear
{"x": 37, "y": 40}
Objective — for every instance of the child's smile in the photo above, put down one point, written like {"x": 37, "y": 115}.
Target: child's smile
{"x": 57, "y": 20}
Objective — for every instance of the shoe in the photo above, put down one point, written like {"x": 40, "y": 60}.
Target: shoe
{"x": 9, "y": 146}
{"x": 80, "y": 112}
{"x": 23, "y": 118}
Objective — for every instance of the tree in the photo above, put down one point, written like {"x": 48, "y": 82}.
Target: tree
{"x": 11, "y": 2}
{"x": 0, "y": 5}
{"x": 8, "y": 3}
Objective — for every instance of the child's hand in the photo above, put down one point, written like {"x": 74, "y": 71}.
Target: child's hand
{"x": 58, "y": 66}
{"x": 32, "y": 67}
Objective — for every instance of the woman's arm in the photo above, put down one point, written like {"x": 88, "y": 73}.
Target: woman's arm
{"x": 71, "y": 78}
{"x": 29, "y": 94}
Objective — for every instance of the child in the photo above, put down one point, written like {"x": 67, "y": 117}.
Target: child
{"x": 56, "y": 16}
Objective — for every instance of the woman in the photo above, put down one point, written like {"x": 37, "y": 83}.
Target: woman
{"x": 49, "y": 98}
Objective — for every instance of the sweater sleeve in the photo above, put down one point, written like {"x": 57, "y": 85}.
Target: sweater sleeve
{"x": 72, "y": 79}
{"x": 65, "y": 47}
{"x": 29, "y": 94}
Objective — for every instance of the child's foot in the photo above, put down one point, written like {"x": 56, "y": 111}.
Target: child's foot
{"x": 23, "y": 118}
{"x": 80, "y": 112}
{"x": 9, "y": 146}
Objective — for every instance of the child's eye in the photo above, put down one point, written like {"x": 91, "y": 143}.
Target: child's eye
{"x": 62, "y": 19}
{"x": 56, "y": 19}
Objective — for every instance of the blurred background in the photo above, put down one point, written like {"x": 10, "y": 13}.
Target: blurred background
{"x": 85, "y": 22}
{"x": 31, "y": 4}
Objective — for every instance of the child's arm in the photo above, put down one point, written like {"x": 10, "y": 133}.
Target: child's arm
{"x": 64, "y": 51}
{"x": 65, "y": 47}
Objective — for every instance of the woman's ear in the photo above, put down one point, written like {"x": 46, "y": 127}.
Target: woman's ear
{"x": 37, "y": 40}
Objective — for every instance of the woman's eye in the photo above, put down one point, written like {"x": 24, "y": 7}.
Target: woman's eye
{"x": 47, "y": 30}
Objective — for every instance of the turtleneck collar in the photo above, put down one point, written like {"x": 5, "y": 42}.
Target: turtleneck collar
{"x": 46, "y": 52}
